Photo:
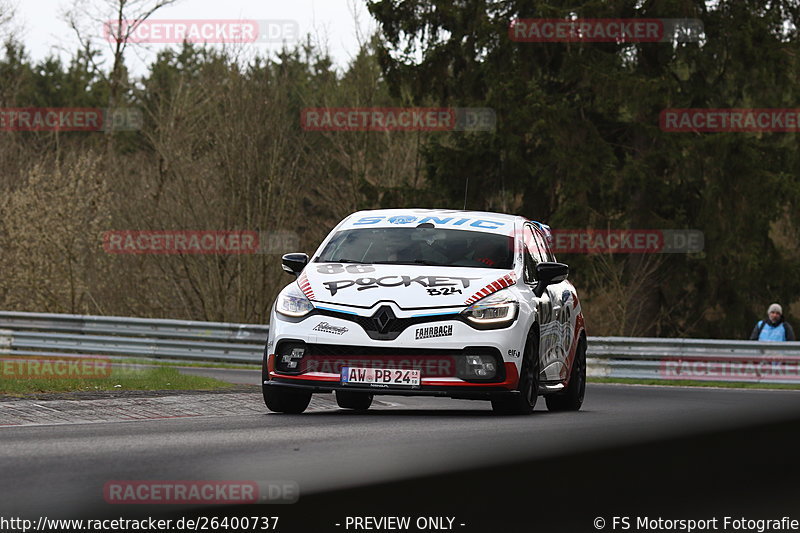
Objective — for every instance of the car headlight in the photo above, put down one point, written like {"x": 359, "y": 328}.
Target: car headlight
{"x": 293, "y": 303}
{"x": 496, "y": 310}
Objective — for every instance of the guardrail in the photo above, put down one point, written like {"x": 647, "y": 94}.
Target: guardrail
{"x": 46, "y": 335}
{"x": 694, "y": 359}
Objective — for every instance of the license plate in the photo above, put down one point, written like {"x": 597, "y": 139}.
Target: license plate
{"x": 380, "y": 376}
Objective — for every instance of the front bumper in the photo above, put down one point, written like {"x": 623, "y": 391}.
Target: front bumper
{"x": 470, "y": 392}
{"x": 438, "y": 373}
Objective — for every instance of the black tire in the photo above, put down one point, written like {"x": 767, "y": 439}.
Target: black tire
{"x": 571, "y": 398}
{"x": 360, "y": 401}
{"x": 282, "y": 400}
{"x": 524, "y": 402}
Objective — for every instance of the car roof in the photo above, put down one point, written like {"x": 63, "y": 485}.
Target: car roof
{"x": 439, "y": 213}
{"x": 376, "y": 217}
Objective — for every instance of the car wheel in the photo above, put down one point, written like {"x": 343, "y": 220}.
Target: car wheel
{"x": 528, "y": 389}
{"x": 571, "y": 398}
{"x": 360, "y": 401}
{"x": 281, "y": 400}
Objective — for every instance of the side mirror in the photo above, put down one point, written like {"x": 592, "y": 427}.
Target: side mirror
{"x": 294, "y": 263}
{"x": 548, "y": 274}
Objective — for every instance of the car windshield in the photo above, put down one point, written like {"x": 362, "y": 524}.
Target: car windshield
{"x": 420, "y": 245}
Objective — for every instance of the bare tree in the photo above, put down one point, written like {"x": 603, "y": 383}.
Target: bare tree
{"x": 116, "y": 21}
{"x": 50, "y": 231}
{"x": 620, "y": 293}
{"x": 7, "y": 13}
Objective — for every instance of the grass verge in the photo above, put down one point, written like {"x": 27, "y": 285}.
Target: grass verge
{"x": 157, "y": 362}
{"x": 120, "y": 379}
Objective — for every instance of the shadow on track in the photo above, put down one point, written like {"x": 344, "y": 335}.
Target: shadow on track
{"x": 695, "y": 476}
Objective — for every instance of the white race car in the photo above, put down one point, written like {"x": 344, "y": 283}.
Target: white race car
{"x": 465, "y": 304}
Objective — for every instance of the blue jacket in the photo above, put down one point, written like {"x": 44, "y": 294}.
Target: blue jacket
{"x": 766, "y": 331}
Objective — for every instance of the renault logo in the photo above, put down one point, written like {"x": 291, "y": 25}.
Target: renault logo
{"x": 383, "y": 317}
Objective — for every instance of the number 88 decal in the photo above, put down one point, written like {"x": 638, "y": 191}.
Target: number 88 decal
{"x": 350, "y": 269}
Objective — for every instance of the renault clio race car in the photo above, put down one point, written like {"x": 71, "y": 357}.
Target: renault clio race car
{"x": 464, "y": 304}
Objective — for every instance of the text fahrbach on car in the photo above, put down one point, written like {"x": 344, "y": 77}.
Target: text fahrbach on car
{"x": 464, "y": 304}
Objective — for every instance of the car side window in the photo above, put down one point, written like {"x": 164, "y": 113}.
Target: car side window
{"x": 544, "y": 247}
{"x": 531, "y": 254}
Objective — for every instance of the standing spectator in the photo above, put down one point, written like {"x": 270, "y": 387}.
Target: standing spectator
{"x": 774, "y": 328}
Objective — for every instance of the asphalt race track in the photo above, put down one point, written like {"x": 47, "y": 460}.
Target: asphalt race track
{"x": 672, "y": 451}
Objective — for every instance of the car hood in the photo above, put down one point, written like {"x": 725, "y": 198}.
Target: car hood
{"x": 409, "y": 286}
